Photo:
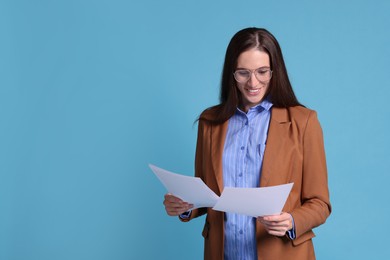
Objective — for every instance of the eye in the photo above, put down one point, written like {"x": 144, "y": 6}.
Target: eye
{"x": 262, "y": 71}
{"x": 242, "y": 73}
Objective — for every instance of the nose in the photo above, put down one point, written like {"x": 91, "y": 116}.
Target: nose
{"x": 253, "y": 81}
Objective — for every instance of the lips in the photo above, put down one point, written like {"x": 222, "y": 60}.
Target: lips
{"x": 253, "y": 91}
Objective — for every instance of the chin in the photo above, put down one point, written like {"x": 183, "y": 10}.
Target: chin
{"x": 254, "y": 101}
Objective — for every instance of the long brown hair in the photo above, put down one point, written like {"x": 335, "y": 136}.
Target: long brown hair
{"x": 280, "y": 92}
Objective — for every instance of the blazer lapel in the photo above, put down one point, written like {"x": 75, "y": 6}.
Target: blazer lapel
{"x": 218, "y": 136}
{"x": 277, "y": 135}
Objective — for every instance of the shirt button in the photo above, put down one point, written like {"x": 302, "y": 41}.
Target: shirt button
{"x": 242, "y": 148}
{"x": 240, "y": 174}
{"x": 241, "y": 232}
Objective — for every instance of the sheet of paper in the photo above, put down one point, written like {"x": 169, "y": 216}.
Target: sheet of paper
{"x": 190, "y": 189}
{"x": 254, "y": 202}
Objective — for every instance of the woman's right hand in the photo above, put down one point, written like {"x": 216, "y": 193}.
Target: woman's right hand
{"x": 175, "y": 206}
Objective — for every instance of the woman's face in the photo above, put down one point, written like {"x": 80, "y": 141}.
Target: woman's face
{"x": 252, "y": 91}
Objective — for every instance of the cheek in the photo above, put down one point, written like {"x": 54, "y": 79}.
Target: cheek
{"x": 240, "y": 87}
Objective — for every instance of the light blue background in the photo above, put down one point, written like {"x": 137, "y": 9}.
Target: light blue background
{"x": 93, "y": 91}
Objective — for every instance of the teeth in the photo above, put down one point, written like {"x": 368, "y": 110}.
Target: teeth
{"x": 253, "y": 90}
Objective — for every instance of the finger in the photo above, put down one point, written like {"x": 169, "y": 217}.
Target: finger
{"x": 273, "y": 222}
{"x": 172, "y": 198}
{"x": 277, "y": 218}
{"x": 275, "y": 226}
{"x": 276, "y": 231}
{"x": 169, "y": 198}
{"x": 175, "y": 211}
{"x": 175, "y": 206}
{"x": 284, "y": 221}
{"x": 176, "y": 203}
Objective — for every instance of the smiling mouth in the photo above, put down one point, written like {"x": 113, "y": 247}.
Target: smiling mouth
{"x": 254, "y": 90}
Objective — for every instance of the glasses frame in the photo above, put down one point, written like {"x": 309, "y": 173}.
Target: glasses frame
{"x": 250, "y": 76}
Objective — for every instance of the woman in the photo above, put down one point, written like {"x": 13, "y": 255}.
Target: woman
{"x": 259, "y": 135}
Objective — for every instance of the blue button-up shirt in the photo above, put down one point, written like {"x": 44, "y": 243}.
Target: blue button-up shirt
{"x": 242, "y": 160}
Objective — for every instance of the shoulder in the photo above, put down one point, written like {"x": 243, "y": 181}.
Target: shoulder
{"x": 210, "y": 114}
{"x": 300, "y": 117}
{"x": 293, "y": 114}
{"x": 300, "y": 112}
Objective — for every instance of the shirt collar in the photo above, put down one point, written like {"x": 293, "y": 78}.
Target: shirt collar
{"x": 264, "y": 105}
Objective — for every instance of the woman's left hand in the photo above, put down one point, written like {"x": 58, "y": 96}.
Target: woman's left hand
{"x": 277, "y": 225}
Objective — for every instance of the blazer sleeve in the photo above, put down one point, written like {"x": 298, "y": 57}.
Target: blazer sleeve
{"x": 315, "y": 207}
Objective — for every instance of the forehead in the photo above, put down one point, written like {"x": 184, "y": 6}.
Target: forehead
{"x": 253, "y": 59}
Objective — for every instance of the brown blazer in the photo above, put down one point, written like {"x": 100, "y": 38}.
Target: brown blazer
{"x": 294, "y": 153}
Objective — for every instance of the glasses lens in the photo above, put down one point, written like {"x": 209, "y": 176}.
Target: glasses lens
{"x": 242, "y": 75}
{"x": 263, "y": 74}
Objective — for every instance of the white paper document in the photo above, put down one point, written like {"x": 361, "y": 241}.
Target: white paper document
{"x": 253, "y": 202}
{"x": 190, "y": 189}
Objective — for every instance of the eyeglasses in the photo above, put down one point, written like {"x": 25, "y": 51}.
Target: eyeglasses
{"x": 262, "y": 74}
